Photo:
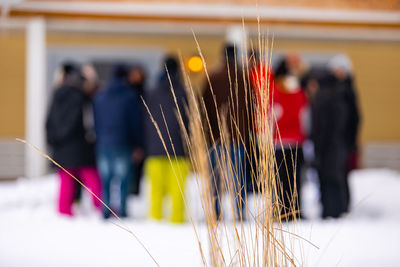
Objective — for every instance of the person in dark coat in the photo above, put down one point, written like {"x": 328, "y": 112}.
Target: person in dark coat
{"x": 227, "y": 94}
{"x": 137, "y": 79}
{"x": 340, "y": 67}
{"x": 66, "y": 135}
{"x": 117, "y": 124}
{"x": 167, "y": 177}
{"x": 90, "y": 86}
{"x": 329, "y": 130}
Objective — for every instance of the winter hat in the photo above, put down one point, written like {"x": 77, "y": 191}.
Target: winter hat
{"x": 171, "y": 64}
{"x": 340, "y": 62}
{"x": 229, "y": 52}
{"x": 120, "y": 71}
{"x": 69, "y": 67}
{"x": 281, "y": 69}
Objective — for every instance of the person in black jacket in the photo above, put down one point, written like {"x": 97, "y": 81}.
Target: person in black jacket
{"x": 329, "y": 120}
{"x": 66, "y": 134}
{"x": 335, "y": 122}
{"x": 136, "y": 80}
{"x": 166, "y": 177}
{"x": 340, "y": 67}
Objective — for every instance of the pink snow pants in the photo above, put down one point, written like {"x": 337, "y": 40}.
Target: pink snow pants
{"x": 88, "y": 176}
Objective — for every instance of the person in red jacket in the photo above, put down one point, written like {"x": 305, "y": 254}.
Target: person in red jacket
{"x": 289, "y": 113}
{"x": 262, "y": 82}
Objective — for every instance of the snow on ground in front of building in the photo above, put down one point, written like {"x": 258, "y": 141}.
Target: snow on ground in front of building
{"x": 33, "y": 234}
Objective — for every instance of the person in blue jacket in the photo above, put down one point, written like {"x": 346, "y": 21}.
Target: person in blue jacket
{"x": 117, "y": 124}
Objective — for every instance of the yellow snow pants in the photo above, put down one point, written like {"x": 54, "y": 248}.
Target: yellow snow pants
{"x": 167, "y": 179}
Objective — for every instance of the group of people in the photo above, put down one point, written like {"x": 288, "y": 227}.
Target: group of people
{"x": 291, "y": 103}
{"x": 107, "y": 137}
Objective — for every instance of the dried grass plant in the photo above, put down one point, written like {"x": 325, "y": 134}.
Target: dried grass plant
{"x": 263, "y": 239}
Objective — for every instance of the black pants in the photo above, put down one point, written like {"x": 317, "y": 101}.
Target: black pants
{"x": 136, "y": 177}
{"x": 289, "y": 164}
{"x": 333, "y": 182}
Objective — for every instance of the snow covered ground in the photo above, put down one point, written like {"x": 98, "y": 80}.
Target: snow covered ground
{"x": 33, "y": 234}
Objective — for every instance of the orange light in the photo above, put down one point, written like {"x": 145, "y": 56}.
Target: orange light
{"x": 195, "y": 64}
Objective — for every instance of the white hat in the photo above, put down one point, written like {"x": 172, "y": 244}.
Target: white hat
{"x": 341, "y": 62}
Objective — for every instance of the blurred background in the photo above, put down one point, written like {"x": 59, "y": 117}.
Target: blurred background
{"x": 37, "y": 36}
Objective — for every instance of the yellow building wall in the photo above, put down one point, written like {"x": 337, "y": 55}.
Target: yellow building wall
{"x": 376, "y": 67}
{"x": 12, "y": 83}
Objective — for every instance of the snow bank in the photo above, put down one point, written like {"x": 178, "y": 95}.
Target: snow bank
{"x": 33, "y": 234}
